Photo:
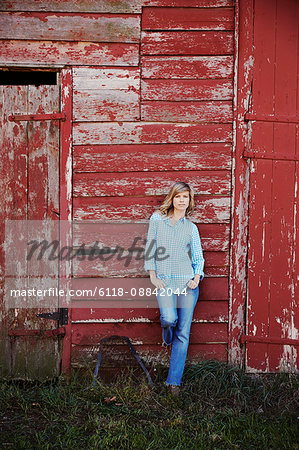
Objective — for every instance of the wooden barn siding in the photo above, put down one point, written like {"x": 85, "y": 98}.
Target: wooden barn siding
{"x": 121, "y": 171}
{"x": 273, "y": 253}
{"x": 159, "y": 115}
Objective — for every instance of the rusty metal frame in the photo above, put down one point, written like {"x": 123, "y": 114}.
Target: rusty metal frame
{"x": 38, "y": 117}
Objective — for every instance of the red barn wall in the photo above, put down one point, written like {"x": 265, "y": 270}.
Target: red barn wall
{"x": 152, "y": 103}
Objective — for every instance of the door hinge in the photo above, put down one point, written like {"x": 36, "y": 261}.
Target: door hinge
{"x": 255, "y": 154}
{"x": 62, "y": 316}
{"x": 37, "y": 117}
{"x": 276, "y": 118}
{"x": 45, "y": 333}
{"x": 268, "y": 340}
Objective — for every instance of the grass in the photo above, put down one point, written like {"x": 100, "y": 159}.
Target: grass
{"x": 220, "y": 407}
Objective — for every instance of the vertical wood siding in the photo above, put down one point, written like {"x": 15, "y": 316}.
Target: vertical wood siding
{"x": 273, "y": 220}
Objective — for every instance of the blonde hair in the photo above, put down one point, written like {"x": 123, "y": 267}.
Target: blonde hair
{"x": 167, "y": 206}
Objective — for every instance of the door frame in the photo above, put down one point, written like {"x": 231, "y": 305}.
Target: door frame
{"x": 66, "y": 213}
{"x": 240, "y": 181}
{"x": 65, "y": 190}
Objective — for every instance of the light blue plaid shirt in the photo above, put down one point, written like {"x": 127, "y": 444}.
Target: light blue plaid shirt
{"x": 182, "y": 246}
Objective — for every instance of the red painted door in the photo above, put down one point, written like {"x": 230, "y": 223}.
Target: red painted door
{"x": 29, "y": 195}
{"x": 273, "y": 152}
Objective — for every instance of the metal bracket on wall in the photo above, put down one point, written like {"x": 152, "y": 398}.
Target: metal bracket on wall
{"x": 268, "y": 340}
{"x": 37, "y": 117}
{"x": 62, "y": 316}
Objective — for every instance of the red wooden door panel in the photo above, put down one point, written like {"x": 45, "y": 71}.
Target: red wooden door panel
{"x": 30, "y": 192}
{"x": 272, "y": 296}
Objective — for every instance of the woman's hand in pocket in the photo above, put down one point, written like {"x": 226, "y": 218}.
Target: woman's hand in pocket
{"x": 159, "y": 284}
{"x": 192, "y": 284}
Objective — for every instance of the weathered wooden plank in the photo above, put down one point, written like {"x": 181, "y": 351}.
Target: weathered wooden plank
{"x": 152, "y": 157}
{"x": 189, "y": 3}
{"x": 30, "y": 153}
{"x": 153, "y": 183}
{"x": 295, "y": 268}
{"x": 69, "y": 27}
{"x": 286, "y": 55}
{"x": 154, "y": 18}
{"x": 106, "y": 94}
{"x": 85, "y": 357}
{"x": 145, "y": 333}
{"x": 219, "y": 112}
{"x": 79, "y": 6}
{"x": 90, "y": 78}
{"x": 208, "y": 210}
{"x": 113, "y": 264}
{"x": 214, "y": 237}
{"x": 264, "y": 74}
{"x": 49, "y": 53}
{"x": 43, "y": 154}
{"x": 270, "y": 293}
{"x": 210, "y": 289}
{"x": 221, "y": 271}
{"x": 188, "y": 67}
{"x": 13, "y": 140}
{"x": 43, "y": 185}
{"x": 38, "y": 358}
{"x": 205, "y": 311}
{"x": 187, "y": 43}
{"x": 281, "y": 259}
{"x": 105, "y": 6}
{"x": 149, "y": 132}
{"x": 105, "y": 105}
{"x": 183, "y": 90}
{"x": 283, "y": 306}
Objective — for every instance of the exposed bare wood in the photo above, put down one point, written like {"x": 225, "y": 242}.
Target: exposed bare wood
{"x": 210, "y": 289}
{"x": 189, "y": 3}
{"x": 106, "y": 94}
{"x": 184, "y": 67}
{"x": 49, "y": 53}
{"x": 209, "y": 209}
{"x": 187, "y": 43}
{"x": 116, "y": 264}
{"x": 214, "y": 237}
{"x": 159, "y": 111}
{"x": 155, "y": 183}
{"x": 150, "y": 332}
{"x": 205, "y": 311}
{"x": 149, "y": 132}
{"x": 79, "y": 6}
{"x": 69, "y": 27}
{"x": 151, "y": 157}
{"x": 183, "y": 90}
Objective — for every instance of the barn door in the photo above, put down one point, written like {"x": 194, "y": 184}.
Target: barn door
{"x": 30, "y": 343}
{"x": 273, "y": 151}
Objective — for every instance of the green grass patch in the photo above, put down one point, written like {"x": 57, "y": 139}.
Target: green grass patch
{"x": 220, "y": 407}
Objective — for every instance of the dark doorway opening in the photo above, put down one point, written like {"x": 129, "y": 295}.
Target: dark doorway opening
{"x": 18, "y": 77}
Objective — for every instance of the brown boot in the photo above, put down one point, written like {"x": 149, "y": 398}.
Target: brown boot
{"x": 175, "y": 390}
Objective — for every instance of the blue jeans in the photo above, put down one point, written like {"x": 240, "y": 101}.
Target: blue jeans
{"x": 177, "y": 312}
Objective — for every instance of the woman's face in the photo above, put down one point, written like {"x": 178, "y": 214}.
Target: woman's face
{"x": 181, "y": 201}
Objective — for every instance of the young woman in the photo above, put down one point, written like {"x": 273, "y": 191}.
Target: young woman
{"x": 175, "y": 273}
